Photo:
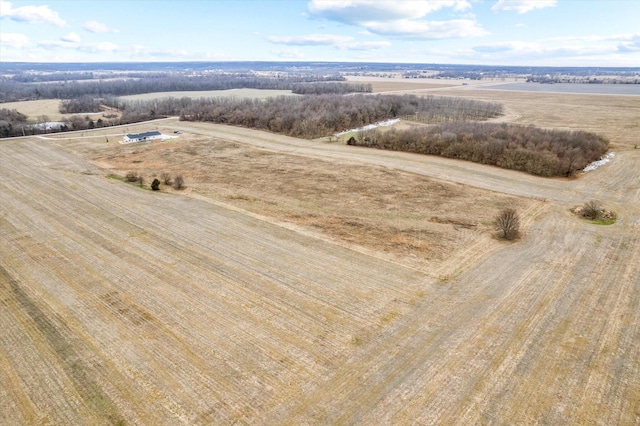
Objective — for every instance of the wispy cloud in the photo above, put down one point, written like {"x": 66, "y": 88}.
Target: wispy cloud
{"x": 31, "y": 14}
{"x": 310, "y": 40}
{"x": 71, "y": 38}
{"x": 337, "y": 41}
{"x": 98, "y": 27}
{"x": 522, "y": 6}
{"x": 14, "y": 40}
{"x": 288, "y": 54}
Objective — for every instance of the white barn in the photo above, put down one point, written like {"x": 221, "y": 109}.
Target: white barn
{"x": 142, "y": 137}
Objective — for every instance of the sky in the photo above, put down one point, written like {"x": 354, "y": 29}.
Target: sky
{"x": 602, "y": 33}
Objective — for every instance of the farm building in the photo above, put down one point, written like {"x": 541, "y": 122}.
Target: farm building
{"x": 142, "y": 137}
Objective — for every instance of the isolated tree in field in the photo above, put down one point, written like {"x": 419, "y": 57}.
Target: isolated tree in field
{"x": 591, "y": 210}
{"x": 155, "y": 185}
{"x": 178, "y": 182}
{"x": 508, "y": 224}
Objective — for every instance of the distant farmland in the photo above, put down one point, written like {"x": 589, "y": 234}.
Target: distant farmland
{"x": 236, "y": 93}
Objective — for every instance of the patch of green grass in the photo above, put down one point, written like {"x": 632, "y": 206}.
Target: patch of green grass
{"x": 602, "y": 222}
{"x": 123, "y": 179}
{"x": 116, "y": 177}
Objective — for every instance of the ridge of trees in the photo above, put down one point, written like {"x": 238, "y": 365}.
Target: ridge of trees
{"x": 537, "y": 151}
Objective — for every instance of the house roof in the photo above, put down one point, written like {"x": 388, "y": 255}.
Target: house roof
{"x": 143, "y": 135}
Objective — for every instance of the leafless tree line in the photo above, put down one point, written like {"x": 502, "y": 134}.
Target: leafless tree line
{"x": 529, "y": 149}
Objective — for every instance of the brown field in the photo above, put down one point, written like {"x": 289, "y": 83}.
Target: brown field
{"x": 305, "y": 282}
{"x": 36, "y": 109}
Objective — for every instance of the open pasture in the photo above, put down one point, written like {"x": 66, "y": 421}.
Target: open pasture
{"x": 34, "y": 110}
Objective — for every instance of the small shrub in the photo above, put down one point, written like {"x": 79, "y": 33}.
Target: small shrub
{"x": 155, "y": 185}
{"x": 178, "y": 182}
{"x": 131, "y": 177}
{"x": 140, "y": 180}
{"x": 508, "y": 224}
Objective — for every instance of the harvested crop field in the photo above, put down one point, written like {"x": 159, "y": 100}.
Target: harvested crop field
{"x": 305, "y": 282}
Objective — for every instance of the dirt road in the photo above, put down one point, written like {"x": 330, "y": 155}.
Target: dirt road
{"x": 125, "y": 305}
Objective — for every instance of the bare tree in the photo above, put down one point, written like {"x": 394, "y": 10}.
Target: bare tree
{"x": 178, "y": 182}
{"x": 166, "y": 178}
{"x": 140, "y": 180}
{"x": 508, "y": 224}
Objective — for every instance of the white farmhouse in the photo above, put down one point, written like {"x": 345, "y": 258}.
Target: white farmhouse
{"x": 142, "y": 137}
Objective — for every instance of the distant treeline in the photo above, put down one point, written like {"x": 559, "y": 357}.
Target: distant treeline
{"x": 322, "y": 115}
{"x": 529, "y": 149}
{"x": 11, "y": 90}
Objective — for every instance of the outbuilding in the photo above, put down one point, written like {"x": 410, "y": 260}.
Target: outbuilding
{"x": 142, "y": 137}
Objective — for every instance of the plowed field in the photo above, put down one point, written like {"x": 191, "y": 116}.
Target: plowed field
{"x": 302, "y": 282}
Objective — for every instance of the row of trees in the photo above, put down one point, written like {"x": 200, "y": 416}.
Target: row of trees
{"x": 529, "y": 149}
{"x": 11, "y": 90}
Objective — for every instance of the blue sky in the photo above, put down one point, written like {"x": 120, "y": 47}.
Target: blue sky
{"x": 491, "y": 32}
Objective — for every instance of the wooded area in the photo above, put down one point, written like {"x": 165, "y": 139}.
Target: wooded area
{"x": 323, "y": 115}
{"x": 529, "y": 149}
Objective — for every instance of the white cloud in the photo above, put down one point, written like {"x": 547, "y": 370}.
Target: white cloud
{"x": 98, "y": 27}
{"x": 631, "y": 45}
{"x": 522, "y": 6}
{"x": 31, "y": 14}
{"x": 71, "y": 38}
{"x": 428, "y": 29}
{"x": 402, "y": 18}
{"x": 14, "y": 40}
{"x": 358, "y": 11}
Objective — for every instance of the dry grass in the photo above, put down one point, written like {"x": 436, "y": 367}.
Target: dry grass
{"x": 405, "y": 217}
{"x": 35, "y": 109}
